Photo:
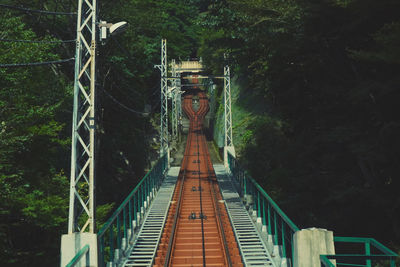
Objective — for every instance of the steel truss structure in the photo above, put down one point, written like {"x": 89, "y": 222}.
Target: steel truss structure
{"x": 179, "y": 102}
{"x": 174, "y": 96}
{"x": 176, "y": 100}
{"x": 82, "y": 181}
{"x": 164, "y": 99}
{"x": 227, "y": 107}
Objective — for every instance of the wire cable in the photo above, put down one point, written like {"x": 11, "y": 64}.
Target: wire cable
{"x": 37, "y": 11}
{"x": 125, "y": 107}
{"x": 36, "y": 63}
{"x": 33, "y": 41}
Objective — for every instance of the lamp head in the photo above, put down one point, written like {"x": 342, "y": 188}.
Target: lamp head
{"x": 118, "y": 27}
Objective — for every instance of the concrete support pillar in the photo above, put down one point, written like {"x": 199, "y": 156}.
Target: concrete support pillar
{"x": 117, "y": 256}
{"x": 72, "y": 243}
{"x": 131, "y": 233}
{"x": 124, "y": 245}
{"x": 168, "y": 158}
{"x": 248, "y": 200}
{"x": 231, "y": 150}
{"x": 138, "y": 216}
{"x": 309, "y": 244}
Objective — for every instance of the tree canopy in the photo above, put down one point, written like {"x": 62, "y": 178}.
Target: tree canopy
{"x": 325, "y": 142}
{"x": 317, "y": 81}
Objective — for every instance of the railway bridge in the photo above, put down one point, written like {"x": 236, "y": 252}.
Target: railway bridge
{"x": 202, "y": 213}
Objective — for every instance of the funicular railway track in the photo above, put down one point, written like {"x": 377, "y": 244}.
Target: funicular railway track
{"x": 197, "y": 231}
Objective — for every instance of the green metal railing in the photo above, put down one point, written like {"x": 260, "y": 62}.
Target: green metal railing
{"x": 277, "y": 223}
{"x": 282, "y": 229}
{"x": 111, "y": 234}
{"x": 78, "y": 256}
{"x": 386, "y": 256}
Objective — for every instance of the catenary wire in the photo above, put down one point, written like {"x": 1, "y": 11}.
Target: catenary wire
{"x": 32, "y": 64}
{"x": 37, "y": 11}
{"x": 125, "y": 107}
{"x": 33, "y": 41}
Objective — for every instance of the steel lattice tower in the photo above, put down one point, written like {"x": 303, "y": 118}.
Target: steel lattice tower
{"x": 82, "y": 183}
{"x": 179, "y": 102}
{"x": 227, "y": 107}
{"x": 174, "y": 94}
{"x": 164, "y": 99}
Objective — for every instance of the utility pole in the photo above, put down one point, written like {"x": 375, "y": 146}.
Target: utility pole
{"x": 211, "y": 90}
{"x": 174, "y": 94}
{"x": 228, "y": 142}
{"x": 164, "y": 99}
{"x": 179, "y": 105}
{"x": 81, "y": 219}
{"x": 227, "y": 107}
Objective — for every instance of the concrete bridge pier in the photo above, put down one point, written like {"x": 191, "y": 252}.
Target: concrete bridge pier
{"x": 71, "y": 244}
{"x": 230, "y": 149}
{"x": 309, "y": 244}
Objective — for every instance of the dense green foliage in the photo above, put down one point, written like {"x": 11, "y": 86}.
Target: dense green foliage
{"x": 316, "y": 89}
{"x": 36, "y": 111}
{"x": 33, "y": 186}
{"x": 320, "y": 82}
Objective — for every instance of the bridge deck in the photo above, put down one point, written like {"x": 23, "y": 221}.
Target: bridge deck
{"x": 148, "y": 238}
{"x": 252, "y": 248}
{"x": 197, "y": 217}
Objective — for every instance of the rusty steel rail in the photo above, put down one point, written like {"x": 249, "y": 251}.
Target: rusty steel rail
{"x": 197, "y": 233}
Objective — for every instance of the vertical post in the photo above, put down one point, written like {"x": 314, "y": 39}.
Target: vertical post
{"x": 264, "y": 219}
{"x": 83, "y": 127}
{"x": 118, "y": 232}
{"x": 258, "y": 205}
{"x": 368, "y": 253}
{"x": 227, "y": 107}
{"x": 125, "y": 227}
{"x": 211, "y": 89}
{"x": 111, "y": 244}
{"x": 283, "y": 239}
{"x": 245, "y": 184}
{"x": 276, "y": 237}
{"x": 175, "y": 94}
{"x": 82, "y": 203}
{"x": 179, "y": 103}
{"x": 164, "y": 99}
{"x": 130, "y": 214}
{"x": 228, "y": 141}
{"x": 134, "y": 208}
{"x": 269, "y": 219}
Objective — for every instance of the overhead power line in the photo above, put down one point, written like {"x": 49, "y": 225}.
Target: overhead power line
{"x": 37, "y": 11}
{"x": 33, "y": 41}
{"x": 125, "y": 107}
{"x": 31, "y": 64}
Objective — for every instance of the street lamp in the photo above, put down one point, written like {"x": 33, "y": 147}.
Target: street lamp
{"x": 111, "y": 28}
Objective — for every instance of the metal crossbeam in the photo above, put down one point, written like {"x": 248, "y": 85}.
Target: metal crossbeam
{"x": 227, "y": 107}
{"x": 82, "y": 202}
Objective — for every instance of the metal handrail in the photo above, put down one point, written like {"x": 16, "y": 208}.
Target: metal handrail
{"x": 366, "y": 240}
{"x": 176, "y": 215}
{"x": 78, "y": 256}
{"x": 248, "y": 186}
{"x": 278, "y": 225}
{"x": 290, "y": 223}
{"x": 387, "y": 255}
{"x": 121, "y": 220}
